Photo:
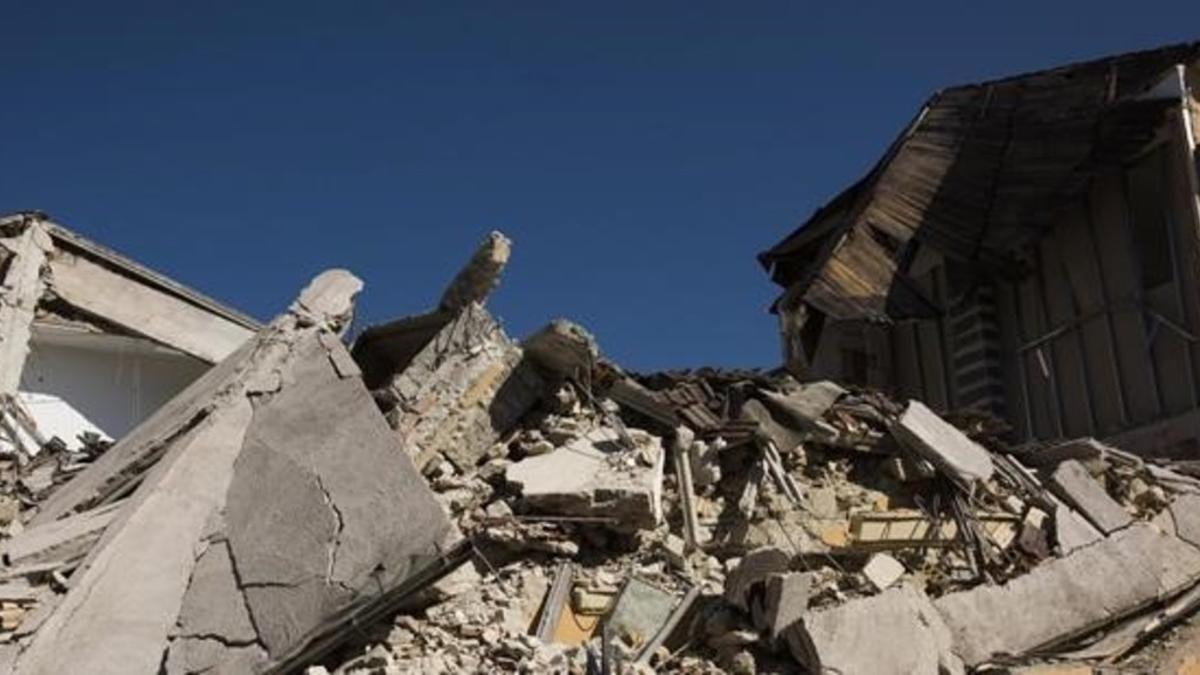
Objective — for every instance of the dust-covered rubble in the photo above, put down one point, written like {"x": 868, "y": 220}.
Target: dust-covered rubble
{"x": 441, "y": 497}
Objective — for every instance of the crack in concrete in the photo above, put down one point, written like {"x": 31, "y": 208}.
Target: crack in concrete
{"x": 269, "y": 584}
{"x": 225, "y": 641}
{"x": 242, "y": 586}
{"x": 340, "y": 525}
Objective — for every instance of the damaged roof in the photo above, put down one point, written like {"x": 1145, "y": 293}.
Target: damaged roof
{"x": 88, "y": 286}
{"x": 975, "y": 175}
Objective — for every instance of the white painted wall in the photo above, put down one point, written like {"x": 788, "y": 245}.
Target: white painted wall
{"x": 77, "y": 381}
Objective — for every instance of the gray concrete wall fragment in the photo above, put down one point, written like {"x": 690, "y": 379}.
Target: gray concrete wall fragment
{"x": 938, "y": 441}
{"x": 287, "y": 502}
{"x": 1093, "y": 587}
{"x": 125, "y": 601}
{"x": 1184, "y": 515}
{"x": 897, "y": 632}
{"x": 144, "y": 310}
{"x": 1072, "y": 482}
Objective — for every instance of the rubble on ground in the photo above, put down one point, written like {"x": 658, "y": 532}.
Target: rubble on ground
{"x": 441, "y": 497}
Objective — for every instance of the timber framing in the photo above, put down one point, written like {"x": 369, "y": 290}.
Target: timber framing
{"x": 1047, "y": 226}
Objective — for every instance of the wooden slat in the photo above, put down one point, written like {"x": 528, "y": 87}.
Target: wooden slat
{"x": 1083, "y": 275}
{"x": 1108, "y": 216}
{"x": 1038, "y": 369}
{"x": 1144, "y": 182}
{"x": 907, "y": 360}
{"x": 1017, "y": 402}
{"x": 1185, "y": 217}
{"x": 946, "y": 344}
{"x": 929, "y": 341}
{"x": 1067, "y": 348}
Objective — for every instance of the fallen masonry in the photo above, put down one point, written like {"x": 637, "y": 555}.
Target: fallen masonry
{"x": 440, "y": 497}
{"x": 1073, "y": 595}
{"x": 286, "y": 502}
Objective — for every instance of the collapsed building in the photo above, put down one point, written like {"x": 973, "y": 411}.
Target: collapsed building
{"x": 1027, "y": 246}
{"x": 434, "y": 495}
{"x": 93, "y": 342}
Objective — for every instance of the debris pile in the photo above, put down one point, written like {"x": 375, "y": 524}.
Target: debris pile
{"x": 440, "y": 497}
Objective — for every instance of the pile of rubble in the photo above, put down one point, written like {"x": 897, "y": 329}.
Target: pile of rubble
{"x": 441, "y": 498}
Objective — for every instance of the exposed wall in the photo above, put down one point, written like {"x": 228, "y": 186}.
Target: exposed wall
{"x": 852, "y": 352}
{"x": 75, "y": 381}
{"x": 1099, "y": 336}
{"x": 1102, "y": 335}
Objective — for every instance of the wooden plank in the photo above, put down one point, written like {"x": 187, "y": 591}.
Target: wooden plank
{"x": 1087, "y": 288}
{"x": 929, "y": 344}
{"x": 942, "y": 295}
{"x": 907, "y": 360}
{"x": 1171, "y": 437}
{"x": 879, "y": 355}
{"x": 1121, "y": 288}
{"x": 929, "y": 341}
{"x": 1016, "y": 399}
{"x": 1184, "y": 207}
{"x": 1039, "y": 364}
{"x": 1151, "y": 230}
{"x": 1067, "y": 348}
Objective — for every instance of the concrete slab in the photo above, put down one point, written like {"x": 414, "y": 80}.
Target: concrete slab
{"x": 784, "y": 602}
{"x": 752, "y": 570}
{"x": 286, "y": 503}
{"x": 784, "y": 438}
{"x": 1184, "y": 515}
{"x": 950, "y": 450}
{"x": 1072, "y": 482}
{"x": 804, "y": 407}
{"x": 897, "y": 632}
{"x": 1068, "y": 597}
{"x": 1072, "y": 531}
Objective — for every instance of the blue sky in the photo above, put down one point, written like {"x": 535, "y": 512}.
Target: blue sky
{"x": 639, "y": 154}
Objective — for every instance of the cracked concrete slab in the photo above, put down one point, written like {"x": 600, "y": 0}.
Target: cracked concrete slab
{"x": 1184, "y": 515}
{"x": 1068, "y": 597}
{"x": 214, "y": 606}
{"x": 286, "y": 501}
